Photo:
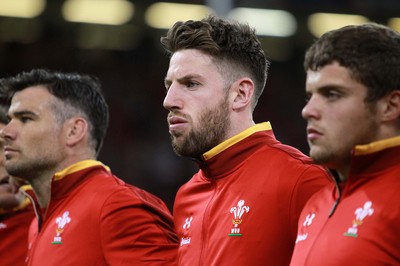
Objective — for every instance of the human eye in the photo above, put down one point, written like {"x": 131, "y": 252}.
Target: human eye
{"x": 167, "y": 88}
{"x": 25, "y": 119}
{"x": 332, "y": 94}
{"x": 167, "y": 85}
{"x": 192, "y": 84}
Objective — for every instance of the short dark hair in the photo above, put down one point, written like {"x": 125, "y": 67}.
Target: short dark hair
{"x": 3, "y": 114}
{"x": 81, "y": 93}
{"x": 231, "y": 43}
{"x": 370, "y": 51}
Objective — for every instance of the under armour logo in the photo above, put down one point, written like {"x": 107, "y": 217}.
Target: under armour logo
{"x": 187, "y": 222}
{"x": 309, "y": 219}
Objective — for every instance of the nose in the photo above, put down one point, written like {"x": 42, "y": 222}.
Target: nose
{"x": 2, "y": 133}
{"x": 173, "y": 99}
{"x": 310, "y": 110}
{"x": 6, "y": 133}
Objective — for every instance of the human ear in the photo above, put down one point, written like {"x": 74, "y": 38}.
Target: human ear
{"x": 391, "y": 107}
{"x": 77, "y": 128}
{"x": 244, "y": 93}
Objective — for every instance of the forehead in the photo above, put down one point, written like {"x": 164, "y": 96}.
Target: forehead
{"x": 334, "y": 76}
{"x": 36, "y": 97}
{"x": 190, "y": 61}
{"x": 329, "y": 75}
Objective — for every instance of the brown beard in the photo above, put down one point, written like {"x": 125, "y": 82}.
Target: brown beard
{"x": 214, "y": 124}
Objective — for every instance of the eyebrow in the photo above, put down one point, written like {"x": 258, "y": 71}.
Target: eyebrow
{"x": 326, "y": 88}
{"x": 184, "y": 78}
{"x": 21, "y": 113}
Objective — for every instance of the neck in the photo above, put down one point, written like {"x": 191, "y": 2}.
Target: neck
{"x": 42, "y": 188}
{"x": 236, "y": 128}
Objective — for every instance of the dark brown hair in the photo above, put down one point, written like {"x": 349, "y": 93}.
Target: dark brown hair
{"x": 371, "y": 52}
{"x": 234, "y": 47}
{"x": 80, "y": 92}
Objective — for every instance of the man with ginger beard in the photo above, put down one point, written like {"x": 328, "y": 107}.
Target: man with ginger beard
{"x": 242, "y": 207}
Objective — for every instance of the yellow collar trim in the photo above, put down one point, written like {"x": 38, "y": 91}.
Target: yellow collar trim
{"x": 376, "y": 146}
{"x": 25, "y": 187}
{"x": 235, "y": 139}
{"x": 25, "y": 202}
{"x": 77, "y": 167}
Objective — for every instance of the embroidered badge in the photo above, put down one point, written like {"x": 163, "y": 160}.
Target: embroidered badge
{"x": 307, "y": 222}
{"x": 61, "y": 222}
{"x": 186, "y": 226}
{"x": 238, "y": 212}
{"x": 361, "y": 214}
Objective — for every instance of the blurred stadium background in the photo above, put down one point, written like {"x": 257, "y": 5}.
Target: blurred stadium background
{"x": 118, "y": 41}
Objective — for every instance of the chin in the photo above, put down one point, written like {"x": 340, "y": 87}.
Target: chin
{"x": 320, "y": 158}
{"x": 317, "y": 155}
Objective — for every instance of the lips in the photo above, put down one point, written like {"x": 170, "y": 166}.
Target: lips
{"x": 313, "y": 134}
{"x": 8, "y": 150}
{"x": 176, "y": 123}
{"x": 172, "y": 120}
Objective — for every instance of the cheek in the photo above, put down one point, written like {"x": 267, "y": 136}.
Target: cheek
{"x": 355, "y": 128}
{"x": 39, "y": 142}
{"x": 346, "y": 123}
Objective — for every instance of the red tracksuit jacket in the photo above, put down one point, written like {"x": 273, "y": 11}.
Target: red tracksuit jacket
{"x": 14, "y": 227}
{"x": 94, "y": 218}
{"x": 356, "y": 222}
{"x": 242, "y": 207}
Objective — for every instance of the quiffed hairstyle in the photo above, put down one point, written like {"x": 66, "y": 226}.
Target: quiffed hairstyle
{"x": 371, "y": 52}
{"x": 233, "y": 46}
{"x": 81, "y": 95}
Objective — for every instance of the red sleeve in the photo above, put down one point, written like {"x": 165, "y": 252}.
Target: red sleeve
{"x": 137, "y": 230}
{"x": 309, "y": 182}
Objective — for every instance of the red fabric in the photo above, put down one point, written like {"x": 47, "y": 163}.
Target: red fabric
{"x": 268, "y": 181}
{"x": 346, "y": 238}
{"x": 14, "y": 228}
{"x": 108, "y": 222}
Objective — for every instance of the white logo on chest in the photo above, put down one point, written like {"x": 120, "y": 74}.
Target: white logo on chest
{"x": 307, "y": 222}
{"x": 186, "y": 226}
{"x": 361, "y": 214}
{"x": 61, "y": 222}
{"x": 238, "y": 212}
{"x": 187, "y": 223}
